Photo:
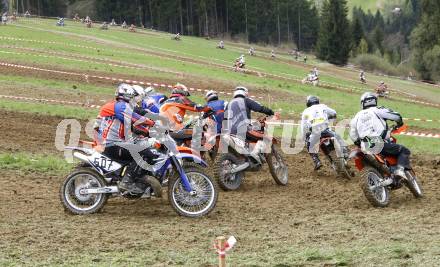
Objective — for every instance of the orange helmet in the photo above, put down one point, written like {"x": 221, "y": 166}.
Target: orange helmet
{"x": 180, "y": 89}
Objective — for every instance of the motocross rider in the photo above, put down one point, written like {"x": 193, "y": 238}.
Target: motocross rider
{"x": 369, "y": 130}
{"x": 238, "y": 111}
{"x": 382, "y": 88}
{"x": 238, "y": 119}
{"x": 241, "y": 61}
{"x": 177, "y": 104}
{"x": 218, "y": 106}
{"x": 152, "y": 101}
{"x": 315, "y": 124}
{"x": 115, "y": 121}
{"x": 362, "y": 76}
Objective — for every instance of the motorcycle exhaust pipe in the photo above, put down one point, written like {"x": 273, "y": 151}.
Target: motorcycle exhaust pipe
{"x": 239, "y": 168}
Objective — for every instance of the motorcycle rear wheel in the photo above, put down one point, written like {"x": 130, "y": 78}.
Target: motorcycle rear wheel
{"x": 413, "y": 184}
{"x": 81, "y": 204}
{"x": 277, "y": 167}
{"x": 339, "y": 166}
{"x": 378, "y": 197}
{"x": 227, "y": 182}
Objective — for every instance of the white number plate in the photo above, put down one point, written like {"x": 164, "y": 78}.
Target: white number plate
{"x": 104, "y": 163}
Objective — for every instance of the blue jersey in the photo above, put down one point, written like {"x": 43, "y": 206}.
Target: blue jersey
{"x": 153, "y": 102}
{"x": 219, "y": 107}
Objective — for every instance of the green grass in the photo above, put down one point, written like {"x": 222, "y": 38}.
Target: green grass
{"x": 52, "y": 110}
{"x": 37, "y": 163}
{"x": 346, "y": 103}
{"x": 372, "y": 254}
{"x": 53, "y": 86}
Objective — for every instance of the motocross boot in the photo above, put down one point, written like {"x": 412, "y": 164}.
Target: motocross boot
{"x": 128, "y": 184}
{"x": 316, "y": 161}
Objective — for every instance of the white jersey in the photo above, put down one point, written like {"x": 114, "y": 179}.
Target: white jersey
{"x": 315, "y": 118}
{"x": 371, "y": 122}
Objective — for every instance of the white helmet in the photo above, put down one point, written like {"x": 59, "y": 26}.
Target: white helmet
{"x": 211, "y": 95}
{"x": 368, "y": 100}
{"x": 139, "y": 90}
{"x": 149, "y": 90}
{"x": 241, "y": 91}
{"x": 125, "y": 92}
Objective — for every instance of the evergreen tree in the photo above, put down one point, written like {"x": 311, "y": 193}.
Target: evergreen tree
{"x": 357, "y": 32}
{"x": 334, "y": 40}
{"x": 425, "y": 41}
{"x": 363, "y": 47}
{"x": 378, "y": 37}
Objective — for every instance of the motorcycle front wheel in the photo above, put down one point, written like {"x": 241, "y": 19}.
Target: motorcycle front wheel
{"x": 201, "y": 200}
{"x": 277, "y": 167}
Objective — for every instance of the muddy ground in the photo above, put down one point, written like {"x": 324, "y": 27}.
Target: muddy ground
{"x": 317, "y": 219}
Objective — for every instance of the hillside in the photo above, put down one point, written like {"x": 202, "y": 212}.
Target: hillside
{"x": 51, "y": 75}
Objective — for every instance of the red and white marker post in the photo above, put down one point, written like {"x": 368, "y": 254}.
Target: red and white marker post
{"x": 222, "y": 246}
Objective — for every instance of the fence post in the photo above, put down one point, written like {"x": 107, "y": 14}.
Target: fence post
{"x": 221, "y": 246}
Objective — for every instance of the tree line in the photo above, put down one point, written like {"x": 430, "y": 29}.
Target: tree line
{"x": 265, "y": 21}
{"x": 397, "y": 34}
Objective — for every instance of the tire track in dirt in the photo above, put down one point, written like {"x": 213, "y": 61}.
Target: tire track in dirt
{"x": 29, "y": 132}
{"x": 314, "y": 210}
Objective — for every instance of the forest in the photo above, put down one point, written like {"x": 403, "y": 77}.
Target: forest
{"x": 327, "y": 27}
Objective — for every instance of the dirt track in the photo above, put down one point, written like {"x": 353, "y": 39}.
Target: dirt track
{"x": 314, "y": 210}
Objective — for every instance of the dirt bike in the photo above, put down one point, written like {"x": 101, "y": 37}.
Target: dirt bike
{"x": 191, "y": 191}
{"x": 382, "y": 92}
{"x": 208, "y": 140}
{"x": 311, "y": 80}
{"x": 331, "y": 148}
{"x": 377, "y": 178}
{"x": 363, "y": 81}
{"x": 238, "y": 66}
{"x": 231, "y": 164}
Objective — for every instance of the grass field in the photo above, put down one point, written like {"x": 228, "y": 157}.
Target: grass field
{"x": 317, "y": 220}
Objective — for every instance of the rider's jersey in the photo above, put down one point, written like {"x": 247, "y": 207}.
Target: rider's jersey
{"x": 219, "y": 107}
{"x": 316, "y": 118}
{"x": 238, "y": 114}
{"x": 153, "y": 102}
{"x": 175, "y": 109}
{"x": 116, "y": 118}
{"x": 371, "y": 123}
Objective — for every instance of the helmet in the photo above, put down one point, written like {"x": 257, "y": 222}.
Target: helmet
{"x": 241, "y": 91}
{"x": 211, "y": 95}
{"x": 312, "y": 100}
{"x": 149, "y": 90}
{"x": 180, "y": 89}
{"x": 368, "y": 100}
{"x": 125, "y": 92}
{"x": 382, "y": 82}
{"x": 139, "y": 90}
